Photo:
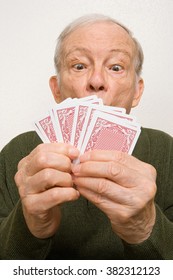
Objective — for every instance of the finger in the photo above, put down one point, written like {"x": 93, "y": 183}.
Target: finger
{"x": 45, "y": 155}
{"x": 57, "y": 148}
{"x": 52, "y": 197}
{"x": 48, "y": 160}
{"x": 44, "y": 180}
{"x": 120, "y": 157}
{"x": 111, "y": 170}
{"x": 104, "y": 193}
{"x": 103, "y": 202}
{"x": 101, "y": 191}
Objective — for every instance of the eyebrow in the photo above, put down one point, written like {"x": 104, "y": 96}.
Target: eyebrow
{"x": 121, "y": 51}
{"x": 74, "y": 49}
{"x": 85, "y": 50}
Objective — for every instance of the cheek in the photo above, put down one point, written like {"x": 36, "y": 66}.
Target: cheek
{"x": 125, "y": 84}
{"x": 122, "y": 93}
{"x": 128, "y": 86}
{"x": 72, "y": 86}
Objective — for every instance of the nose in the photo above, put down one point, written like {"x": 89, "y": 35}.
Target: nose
{"x": 96, "y": 81}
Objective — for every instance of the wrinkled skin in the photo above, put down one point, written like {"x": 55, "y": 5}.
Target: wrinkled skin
{"x": 97, "y": 59}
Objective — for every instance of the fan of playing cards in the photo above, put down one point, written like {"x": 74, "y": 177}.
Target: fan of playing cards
{"x": 88, "y": 124}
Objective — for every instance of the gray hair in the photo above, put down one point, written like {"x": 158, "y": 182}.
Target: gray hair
{"x": 90, "y": 19}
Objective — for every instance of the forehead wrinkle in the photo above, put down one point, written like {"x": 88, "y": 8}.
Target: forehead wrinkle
{"x": 88, "y": 51}
{"x": 71, "y": 38}
{"x": 80, "y": 49}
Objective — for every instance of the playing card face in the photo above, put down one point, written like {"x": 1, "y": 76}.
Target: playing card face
{"x": 107, "y": 132}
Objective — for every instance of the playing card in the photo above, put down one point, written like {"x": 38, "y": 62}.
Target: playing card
{"x": 88, "y": 124}
{"x": 63, "y": 115}
{"x": 108, "y": 132}
{"x": 80, "y": 116}
{"x": 120, "y": 112}
{"x": 45, "y": 129}
{"x": 91, "y": 99}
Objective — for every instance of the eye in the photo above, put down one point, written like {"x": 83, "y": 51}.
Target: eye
{"x": 79, "y": 66}
{"x": 116, "y": 68}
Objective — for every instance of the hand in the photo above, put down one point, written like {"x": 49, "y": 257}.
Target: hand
{"x": 123, "y": 187}
{"x": 44, "y": 182}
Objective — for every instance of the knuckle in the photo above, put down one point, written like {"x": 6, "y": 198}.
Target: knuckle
{"x": 20, "y": 183}
{"x": 41, "y": 159}
{"x": 60, "y": 195}
{"x": 47, "y": 175}
{"x": 101, "y": 190}
{"x": 151, "y": 191}
{"x": 67, "y": 181}
{"x": 144, "y": 197}
{"x": 113, "y": 169}
{"x": 119, "y": 156}
{"x": 102, "y": 186}
{"x": 148, "y": 187}
{"x": 151, "y": 170}
{"x": 52, "y": 177}
{"x": 97, "y": 199}
{"x": 17, "y": 178}
{"x": 54, "y": 194}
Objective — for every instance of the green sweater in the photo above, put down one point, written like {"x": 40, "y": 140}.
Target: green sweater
{"x": 85, "y": 232}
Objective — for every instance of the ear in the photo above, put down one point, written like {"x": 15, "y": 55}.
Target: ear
{"x": 138, "y": 93}
{"x": 53, "y": 83}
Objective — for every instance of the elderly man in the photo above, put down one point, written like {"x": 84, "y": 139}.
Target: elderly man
{"x": 111, "y": 205}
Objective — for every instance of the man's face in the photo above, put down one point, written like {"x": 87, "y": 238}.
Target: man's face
{"x": 100, "y": 59}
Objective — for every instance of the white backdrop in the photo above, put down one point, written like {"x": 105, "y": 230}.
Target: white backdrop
{"x": 28, "y": 32}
